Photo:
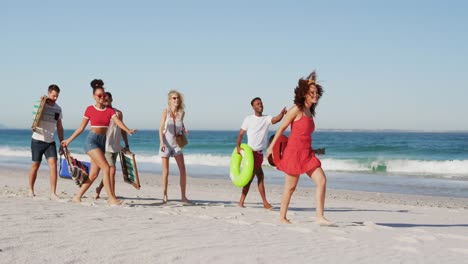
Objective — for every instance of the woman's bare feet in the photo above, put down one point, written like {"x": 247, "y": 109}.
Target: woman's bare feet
{"x": 186, "y": 200}
{"x": 267, "y": 206}
{"x": 165, "y": 199}
{"x": 114, "y": 202}
{"x": 285, "y": 221}
{"x": 321, "y": 220}
{"x": 97, "y": 195}
{"x": 54, "y": 197}
{"x": 76, "y": 199}
{"x": 31, "y": 193}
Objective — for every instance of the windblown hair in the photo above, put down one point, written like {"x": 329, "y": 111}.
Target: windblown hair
{"x": 97, "y": 84}
{"x": 53, "y": 87}
{"x": 303, "y": 88}
{"x": 181, "y": 100}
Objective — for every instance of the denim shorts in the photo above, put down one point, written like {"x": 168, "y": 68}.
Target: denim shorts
{"x": 170, "y": 152}
{"x": 39, "y": 148}
{"x": 94, "y": 141}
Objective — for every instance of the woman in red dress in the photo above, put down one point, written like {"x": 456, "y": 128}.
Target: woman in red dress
{"x": 298, "y": 156}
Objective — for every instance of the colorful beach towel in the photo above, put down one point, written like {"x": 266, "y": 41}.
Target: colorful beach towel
{"x": 77, "y": 170}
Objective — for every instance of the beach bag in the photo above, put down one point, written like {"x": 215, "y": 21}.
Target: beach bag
{"x": 63, "y": 169}
{"x": 77, "y": 170}
{"x": 181, "y": 140}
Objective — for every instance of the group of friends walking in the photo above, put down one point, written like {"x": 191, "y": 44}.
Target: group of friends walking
{"x": 107, "y": 129}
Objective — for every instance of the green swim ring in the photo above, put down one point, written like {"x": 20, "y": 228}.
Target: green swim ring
{"x": 241, "y": 178}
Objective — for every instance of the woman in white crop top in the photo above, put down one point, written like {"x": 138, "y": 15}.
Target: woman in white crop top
{"x": 172, "y": 124}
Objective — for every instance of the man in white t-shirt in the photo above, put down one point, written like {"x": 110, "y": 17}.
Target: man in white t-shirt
{"x": 43, "y": 142}
{"x": 256, "y": 126}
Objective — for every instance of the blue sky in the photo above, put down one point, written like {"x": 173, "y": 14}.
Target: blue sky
{"x": 383, "y": 64}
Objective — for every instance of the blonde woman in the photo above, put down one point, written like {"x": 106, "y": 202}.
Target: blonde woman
{"x": 171, "y": 125}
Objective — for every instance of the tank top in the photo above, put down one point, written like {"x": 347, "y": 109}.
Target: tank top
{"x": 169, "y": 133}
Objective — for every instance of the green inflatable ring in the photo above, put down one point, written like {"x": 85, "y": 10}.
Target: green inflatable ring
{"x": 241, "y": 178}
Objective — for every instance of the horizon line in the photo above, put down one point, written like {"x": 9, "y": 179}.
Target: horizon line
{"x": 318, "y": 130}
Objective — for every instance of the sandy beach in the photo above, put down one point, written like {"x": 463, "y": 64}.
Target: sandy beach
{"x": 369, "y": 227}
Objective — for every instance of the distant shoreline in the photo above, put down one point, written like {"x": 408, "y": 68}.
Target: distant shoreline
{"x": 344, "y": 130}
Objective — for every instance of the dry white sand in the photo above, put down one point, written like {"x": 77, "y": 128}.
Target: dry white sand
{"x": 370, "y": 227}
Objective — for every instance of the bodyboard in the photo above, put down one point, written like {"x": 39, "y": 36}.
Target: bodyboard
{"x": 38, "y": 109}
{"x": 129, "y": 168}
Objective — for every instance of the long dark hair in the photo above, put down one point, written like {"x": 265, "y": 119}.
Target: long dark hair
{"x": 302, "y": 89}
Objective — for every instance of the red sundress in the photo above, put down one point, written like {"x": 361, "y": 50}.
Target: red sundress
{"x": 298, "y": 157}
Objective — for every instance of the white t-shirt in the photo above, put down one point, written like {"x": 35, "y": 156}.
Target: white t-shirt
{"x": 257, "y": 130}
{"x": 48, "y": 123}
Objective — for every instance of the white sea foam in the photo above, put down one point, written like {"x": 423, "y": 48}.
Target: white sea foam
{"x": 446, "y": 168}
{"x": 11, "y": 152}
{"x": 410, "y": 167}
{"x": 452, "y": 167}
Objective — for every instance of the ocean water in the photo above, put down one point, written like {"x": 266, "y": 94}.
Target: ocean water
{"x": 381, "y": 161}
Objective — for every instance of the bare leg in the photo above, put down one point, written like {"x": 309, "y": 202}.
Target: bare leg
{"x": 98, "y": 157}
{"x": 165, "y": 176}
{"x": 112, "y": 178}
{"x": 245, "y": 191}
{"x": 32, "y": 177}
{"x": 98, "y": 190}
{"x": 261, "y": 187}
{"x": 318, "y": 176}
{"x": 183, "y": 176}
{"x": 290, "y": 183}
{"x": 93, "y": 173}
{"x": 53, "y": 178}
{"x": 101, "y": 185}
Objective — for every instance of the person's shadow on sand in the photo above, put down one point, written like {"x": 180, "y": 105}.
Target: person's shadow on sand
{"x": 404, "y": 225}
